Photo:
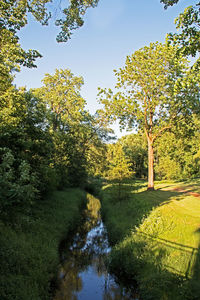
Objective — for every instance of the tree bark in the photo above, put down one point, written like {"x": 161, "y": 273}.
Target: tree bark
{"x": 150, "y": 165}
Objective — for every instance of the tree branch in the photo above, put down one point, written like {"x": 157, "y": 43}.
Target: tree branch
{"x": 161, "y": 131}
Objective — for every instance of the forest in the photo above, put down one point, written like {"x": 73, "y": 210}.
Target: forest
{"x": 56, "y": 158}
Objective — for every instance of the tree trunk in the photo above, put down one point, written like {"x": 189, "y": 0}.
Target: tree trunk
{"x": 150, "y": 166}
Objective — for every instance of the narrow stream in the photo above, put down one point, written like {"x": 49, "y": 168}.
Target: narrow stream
{"x": 83, "y": 273}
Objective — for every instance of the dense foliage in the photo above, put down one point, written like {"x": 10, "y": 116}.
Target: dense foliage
{"x": 46, "y": 139}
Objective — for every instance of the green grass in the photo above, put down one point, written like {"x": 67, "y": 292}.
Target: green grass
{"x": 29, "y": 245}
{"x": 157, "y": 238}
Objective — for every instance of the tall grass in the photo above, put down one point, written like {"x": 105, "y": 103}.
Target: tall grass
{"x": 29, "y": 245}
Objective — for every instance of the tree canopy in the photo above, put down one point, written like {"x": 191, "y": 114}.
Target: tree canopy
{"x": 14, "y": 14}
{"x": 156, "y": 93}
{"x": 61, "y": 93}
{"x": 168, "y": 3}
{"x": 188, "y": 35}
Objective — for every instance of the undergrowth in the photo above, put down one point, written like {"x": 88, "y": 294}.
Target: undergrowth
{"x": 29, "y": 245}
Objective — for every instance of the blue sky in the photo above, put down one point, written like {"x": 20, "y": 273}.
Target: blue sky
{"x": 113, "y": 30}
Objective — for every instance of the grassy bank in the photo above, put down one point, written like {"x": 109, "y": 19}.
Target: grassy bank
{"x": 156, "y": 236}
{"x": 29, "y": 245}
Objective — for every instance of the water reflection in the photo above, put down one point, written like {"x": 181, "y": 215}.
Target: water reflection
{"x": 83, "y": 274}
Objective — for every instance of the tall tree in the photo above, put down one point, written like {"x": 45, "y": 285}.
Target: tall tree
{"x": 76, "y": 134}
{"x": 61, "y": 93}
{"x": 155, "y": 94}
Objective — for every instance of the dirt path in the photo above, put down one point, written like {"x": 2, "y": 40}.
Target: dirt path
{"x": 187, "y": 190}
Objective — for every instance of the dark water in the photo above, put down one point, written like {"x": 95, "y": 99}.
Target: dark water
{"x": 83, "y": 273}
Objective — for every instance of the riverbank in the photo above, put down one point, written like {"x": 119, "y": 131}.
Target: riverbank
{"x": 29, "y": 245}
{"x": 156, "y": 238}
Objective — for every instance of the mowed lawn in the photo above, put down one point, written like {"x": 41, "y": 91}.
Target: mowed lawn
{"x": 181, "y": 214}
{"x": 157, "y": 237}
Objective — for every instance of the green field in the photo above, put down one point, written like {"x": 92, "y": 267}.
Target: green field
{"x": 156, "y": 237}
{"x": 29, "y": 244}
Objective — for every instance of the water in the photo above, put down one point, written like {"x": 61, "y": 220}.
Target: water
{"x": 83, "y": 273}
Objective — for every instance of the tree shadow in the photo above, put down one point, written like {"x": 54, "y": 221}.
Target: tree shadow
{"x": 160, "y": 278}
{"x": 132, "y": 209}
{"x": 189, "y": 255}
{"x": 194, "y": 284}
{"x": 141, "y": 259}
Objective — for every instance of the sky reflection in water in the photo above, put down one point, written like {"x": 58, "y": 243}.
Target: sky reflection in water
{"x": 83, "y": 274}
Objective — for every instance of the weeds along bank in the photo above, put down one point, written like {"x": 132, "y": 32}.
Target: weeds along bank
{"x": 156, "y": 238}
{"x": 29, "y": 245}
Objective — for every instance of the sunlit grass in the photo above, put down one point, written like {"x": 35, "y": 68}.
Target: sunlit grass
{"x": 156, "y": 234}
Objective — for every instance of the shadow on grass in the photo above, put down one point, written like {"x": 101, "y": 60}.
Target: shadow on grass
{"x": 189, "y": 255}
{"x": 135, "y": 204}
{"x": 163, "y": 269}
{"x": 143, "y": 259}
{"x": 142, "y": 271}
{"x": 195, "y": 279}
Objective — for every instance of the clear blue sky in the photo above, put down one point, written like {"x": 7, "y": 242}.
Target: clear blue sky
{"x": 113, "y": 30}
